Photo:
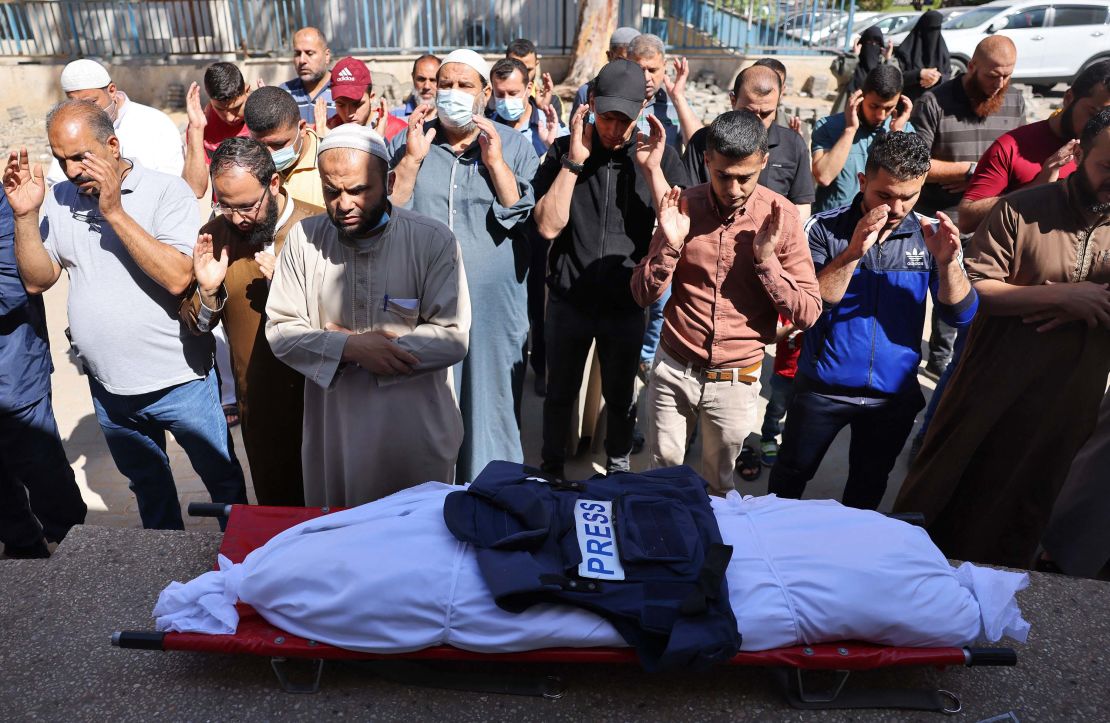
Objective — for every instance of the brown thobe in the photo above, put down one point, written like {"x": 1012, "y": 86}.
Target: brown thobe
{"x": 1021, "y": 403}
{"x": 270, "y": 394}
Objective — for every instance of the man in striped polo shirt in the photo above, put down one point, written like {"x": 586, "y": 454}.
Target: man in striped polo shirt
{"x": 959, "y": 119}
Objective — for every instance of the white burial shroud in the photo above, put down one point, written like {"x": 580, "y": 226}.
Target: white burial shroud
{"x": 389, "y": 577}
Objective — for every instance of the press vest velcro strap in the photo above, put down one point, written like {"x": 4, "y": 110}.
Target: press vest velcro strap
{"x": 569, "y": 584}
{"x": 709, "y": 581}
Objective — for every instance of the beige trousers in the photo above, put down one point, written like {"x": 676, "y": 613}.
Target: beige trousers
{"x": 676, "y": 397}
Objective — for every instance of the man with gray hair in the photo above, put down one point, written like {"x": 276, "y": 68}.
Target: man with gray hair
{"x": 124, "y": 234}
{"x": 145, "y": 134}
{"x": 649, "y": 52}
{"x": 477, "y": 176}
{"x": 369, "y": 303}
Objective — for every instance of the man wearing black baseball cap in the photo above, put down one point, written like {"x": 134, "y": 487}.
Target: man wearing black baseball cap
{"x": 597, "y": 192}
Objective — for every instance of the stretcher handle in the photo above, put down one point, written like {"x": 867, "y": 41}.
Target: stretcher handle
{"x": 209, "y": 509}
{"x": 916, "y": 519}
{"x": 990, "y": 656}
{"x": 137, "y": 640}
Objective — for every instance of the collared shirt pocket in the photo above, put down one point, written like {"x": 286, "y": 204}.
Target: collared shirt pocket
{"x": 401, "y": 315}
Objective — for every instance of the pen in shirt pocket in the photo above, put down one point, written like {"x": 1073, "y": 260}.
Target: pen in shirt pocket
{"x": 385, "y": 303}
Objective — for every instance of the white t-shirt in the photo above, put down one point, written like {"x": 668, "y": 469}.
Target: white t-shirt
{"x": 146, "y": 135}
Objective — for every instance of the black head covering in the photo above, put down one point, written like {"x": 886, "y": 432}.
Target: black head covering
{"x": 924, "y": 47}
{"x": 870, "y": 56}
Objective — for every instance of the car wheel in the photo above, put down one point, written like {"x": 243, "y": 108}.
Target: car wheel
{"x": 958, "y": 66}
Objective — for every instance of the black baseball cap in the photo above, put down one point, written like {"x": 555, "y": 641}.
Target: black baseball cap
{"x": 621, "y": 87}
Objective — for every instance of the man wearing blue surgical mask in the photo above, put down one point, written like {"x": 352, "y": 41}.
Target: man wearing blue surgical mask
{"x": 274, "y": 120}
{"x": 515, "y": 107}
{"x": 476, "y": 175}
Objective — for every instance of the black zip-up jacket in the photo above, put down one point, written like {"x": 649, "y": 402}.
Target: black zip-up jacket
{"x": 611, "y": 221}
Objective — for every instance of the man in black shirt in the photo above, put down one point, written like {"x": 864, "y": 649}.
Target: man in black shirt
{"x": 597, "y": 194}
{"x": 788, "y": 172}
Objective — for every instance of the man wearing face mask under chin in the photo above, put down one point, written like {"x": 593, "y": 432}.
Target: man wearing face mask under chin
{"x": 475, "y": 175}
{"x": 145, "y": 134}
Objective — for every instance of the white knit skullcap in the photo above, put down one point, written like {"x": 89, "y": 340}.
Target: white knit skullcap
{"x": 466, "y": 56}
{"x": 352, "y": 135}
{"x": 84, "y": 74}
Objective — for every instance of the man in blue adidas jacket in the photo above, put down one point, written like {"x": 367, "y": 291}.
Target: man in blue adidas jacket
{"x": 876, "y": 260}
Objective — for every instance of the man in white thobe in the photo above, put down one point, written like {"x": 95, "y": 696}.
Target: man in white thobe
{"x": 370, "y": 303}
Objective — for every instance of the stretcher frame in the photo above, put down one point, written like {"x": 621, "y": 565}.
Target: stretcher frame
{"x": 251, "y": 526}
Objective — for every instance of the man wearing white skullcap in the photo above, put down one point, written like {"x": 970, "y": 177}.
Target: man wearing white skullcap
{"x": 477, "y": 176}
{"x": 369, "y": 302}
{"x": 146, "y": 134}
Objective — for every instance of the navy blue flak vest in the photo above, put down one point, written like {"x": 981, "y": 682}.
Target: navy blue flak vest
{"x": 642, "y": 550}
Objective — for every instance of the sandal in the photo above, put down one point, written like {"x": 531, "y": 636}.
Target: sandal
{"x": 231, "y": 413}
{"x": 768, "y": 452}
{"x": 748, "y": 465}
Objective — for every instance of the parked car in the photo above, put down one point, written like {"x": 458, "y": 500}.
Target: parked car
{"x": 1055, "y": 40}
{"x": 892, "y": 24}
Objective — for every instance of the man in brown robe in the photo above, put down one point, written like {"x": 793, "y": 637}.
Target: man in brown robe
{"x": 234, "y": 261}
{"x": 1026, "y": 393}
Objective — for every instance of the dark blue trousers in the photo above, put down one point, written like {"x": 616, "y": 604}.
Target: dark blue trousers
{"x": 878, "y": 434}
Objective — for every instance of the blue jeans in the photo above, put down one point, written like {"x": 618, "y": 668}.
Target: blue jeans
{"x": 782, "y": 391}
{"x": 942, "y": 383}
{"x": 654, "y": 328}
{"x": 135, "y": 428}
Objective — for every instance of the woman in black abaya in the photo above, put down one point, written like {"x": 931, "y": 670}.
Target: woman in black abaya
{"x": 923, "y": 56}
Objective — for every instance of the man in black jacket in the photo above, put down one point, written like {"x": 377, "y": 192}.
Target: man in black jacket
{"x": 596, "y": 206}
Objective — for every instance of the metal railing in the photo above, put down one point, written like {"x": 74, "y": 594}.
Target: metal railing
{"x": 159, "y": 28}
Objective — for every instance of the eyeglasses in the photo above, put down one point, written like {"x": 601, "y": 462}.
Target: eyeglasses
{"x": 243, "y": 211}
{"x": 92, "y": 217}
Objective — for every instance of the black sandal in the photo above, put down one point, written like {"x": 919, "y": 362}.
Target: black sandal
{"x": 748, "y": 465}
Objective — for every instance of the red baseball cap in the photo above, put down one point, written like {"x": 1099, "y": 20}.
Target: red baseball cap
{"x": 350, "y": 78}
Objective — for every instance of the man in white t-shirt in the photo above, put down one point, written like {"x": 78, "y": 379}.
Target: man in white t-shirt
{"x": 145, "y": 134}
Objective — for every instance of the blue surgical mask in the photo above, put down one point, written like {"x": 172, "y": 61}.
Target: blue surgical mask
{"x": 590, "y": 117}
{"x": 285, "y": 157}
{"x": 510, "y": 108}
{"x": 457, "y": 106}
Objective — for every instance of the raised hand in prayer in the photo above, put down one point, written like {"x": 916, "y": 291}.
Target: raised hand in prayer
{"x": 888, "y": 51}
{"x": 375, "y": 351}
{"x": 649, "y": 148}
{"x": 417, "y": 141}
{"x": 381, "y": 117}
{"x": 796, "y": 124}
{"x": 868, "y": 230}
{"x": 546, "y": 92}
{"x": 677, "y": 88}
{"x": 550, "y": 130}
{"x": 209, "y": 267}
{"x": 901, "y": 114}
{"x": 1050, "y": 169}
{"x": 260, "y": 83}
{"x": 851, "y": 113}
{"x": 942, "y": 240}
{"x": 581, "y": 135}
{"x": 23, "y": 184}
{"x": 193, "y": 109}
{"x": 108, "y": 180}
{"x": 769, "y": 236}
{"x": 489, "y": 142}
{"x": 267, "y": 262}
{"x": 1085, "y": 301}
{"x": 320, "y": 116}
{"x": 674, "y": 218}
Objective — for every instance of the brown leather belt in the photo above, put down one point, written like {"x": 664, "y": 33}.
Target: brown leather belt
{"x": 745, "y": 375}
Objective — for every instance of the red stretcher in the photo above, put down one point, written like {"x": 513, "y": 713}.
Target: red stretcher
{"x": 251, "y": 526}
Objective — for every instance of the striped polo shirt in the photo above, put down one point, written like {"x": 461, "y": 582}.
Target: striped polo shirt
{"x": 945, "y": 121}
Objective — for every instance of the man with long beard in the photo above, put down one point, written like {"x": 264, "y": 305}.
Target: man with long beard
{"x": 476, "y": 175}
{"x": 233, "y": 262}
{"x": 1026, "y": 393}
{"x": 370, "y": 304}
{"x": 959, "y": 119}
{"x": 1041, "y": 152}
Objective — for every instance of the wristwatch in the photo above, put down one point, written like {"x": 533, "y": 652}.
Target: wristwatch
{"x": 575, "y": 168}
{"x": 971, "y": 169}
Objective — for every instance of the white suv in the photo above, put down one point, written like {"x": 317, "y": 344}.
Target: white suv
{"x": 1055, "y": 40}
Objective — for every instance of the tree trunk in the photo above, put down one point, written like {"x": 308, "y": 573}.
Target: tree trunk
{"x": 597, "y": 19}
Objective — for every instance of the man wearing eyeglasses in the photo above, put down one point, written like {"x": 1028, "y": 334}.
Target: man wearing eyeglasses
{"x": 233, "y": 262}
{"x": 124, "y": 234}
